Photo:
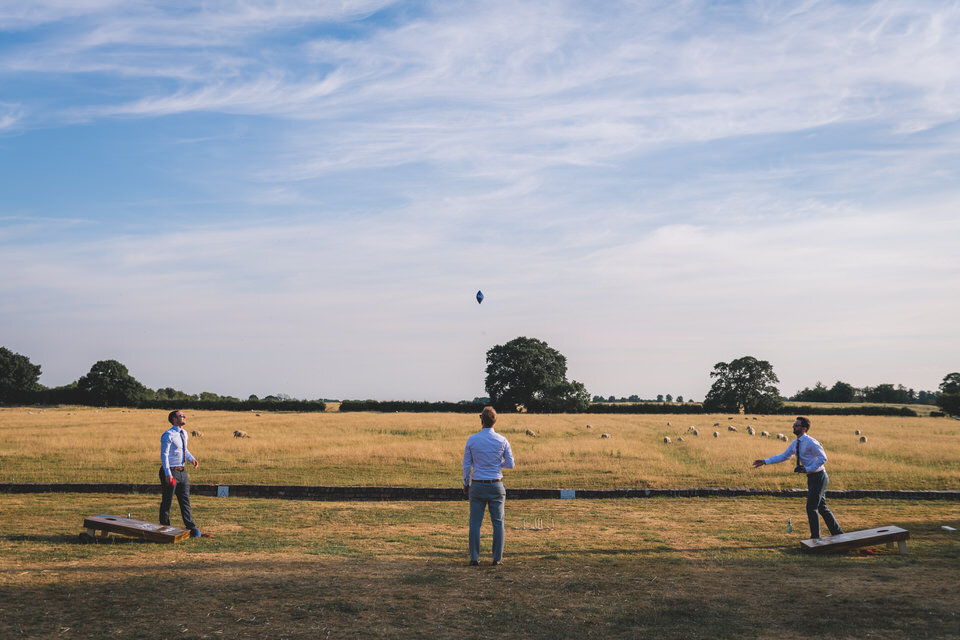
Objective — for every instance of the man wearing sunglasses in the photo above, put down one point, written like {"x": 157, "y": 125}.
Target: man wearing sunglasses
{"x": 174, "y": 457}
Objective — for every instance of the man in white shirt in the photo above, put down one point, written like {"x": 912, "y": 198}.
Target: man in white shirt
{"x": 487, "y": 453}
{"x": 810, "y": 459}
{"x": 174, "y": 457}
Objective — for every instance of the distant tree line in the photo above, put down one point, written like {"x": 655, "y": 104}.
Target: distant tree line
{"x": 524, "y": 374}
{"x": 635, "y": 398}
{"x": 109, "y": 384}
{"x": 845, "y": 392}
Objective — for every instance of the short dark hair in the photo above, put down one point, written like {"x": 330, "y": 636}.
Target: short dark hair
{"x": 172, "y": 415}
{"x": 804, "y": 422}
{"x": 488, "y": 416}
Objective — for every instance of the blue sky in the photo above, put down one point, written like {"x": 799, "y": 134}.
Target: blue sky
{"x": 303, "y": 197}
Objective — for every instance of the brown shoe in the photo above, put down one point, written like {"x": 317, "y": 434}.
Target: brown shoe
{"x": 496, "y": 563}
{"x": 474, "y": 563}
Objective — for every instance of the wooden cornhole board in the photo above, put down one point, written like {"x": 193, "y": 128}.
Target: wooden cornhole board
{"x": 135, "y": 528}
{"x": 855, "y": 539}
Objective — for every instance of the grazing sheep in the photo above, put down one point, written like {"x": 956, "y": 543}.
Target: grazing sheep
{"x": 780, "y": 436}
{"x": 754, "y": 417}
{"x": 666, "y": 439}
{"x": 679, "y": 438}
{"x": 716, "y": 434}
{"x": 751, "y": 430}
{"x": 729, "y": 418}
{"x": 589, "y": 426}
{"x": 604, "y": 435}
{"x": 765, "y": 434}
{"x": 731, "y": 428}
{"x": 863, "y": 438}
{"x": 240, "y": 434}
{"x": 695, "y": 432}
{"x": 531, "y": 433}
{"x": 196, "y": 434}
{"x": 716, "y": 424}
{"x": 692, "y": 427}
{"x": 857, "y": 432}
{"x": 668, "y": 424}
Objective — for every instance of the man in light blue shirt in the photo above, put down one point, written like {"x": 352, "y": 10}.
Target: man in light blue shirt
{"x": 174, "y": 457}
{"x": 486, "y": 454}
{"x": 810, "y": 459}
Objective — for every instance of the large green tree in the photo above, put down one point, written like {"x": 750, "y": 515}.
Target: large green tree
{"x": 528, "y": 373}
{"x": 951, "y": 383}
{"x": 949, "y": 398}
{"x": 745, "y": 383}
{"x": 109, "y": 384}
{"x": 18, "y": 377}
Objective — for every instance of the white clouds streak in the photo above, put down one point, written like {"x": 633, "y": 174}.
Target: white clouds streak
{"x": 685, "y": 172}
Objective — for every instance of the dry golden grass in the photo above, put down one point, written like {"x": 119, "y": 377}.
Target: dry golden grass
{"x": 70, "y": 444}
{"x": 664, "y": 568}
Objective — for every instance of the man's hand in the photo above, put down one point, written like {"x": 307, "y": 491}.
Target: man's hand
{"x": 196, "y": 463}
{"x": 171, "y": 482}
{"x": 758, "y": 463}
{"x": 466, "y": 490}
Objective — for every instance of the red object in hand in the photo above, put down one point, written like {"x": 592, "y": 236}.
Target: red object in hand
{"x": 171, "y": 481}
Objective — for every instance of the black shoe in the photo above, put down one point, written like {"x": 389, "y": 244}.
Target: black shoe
{"x": 496, "y": 563}
{"x": 474, "y": 563}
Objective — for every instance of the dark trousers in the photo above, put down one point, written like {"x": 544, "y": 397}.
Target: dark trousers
{"x": 183, "y": 498}
{"x": 817, "y": 505}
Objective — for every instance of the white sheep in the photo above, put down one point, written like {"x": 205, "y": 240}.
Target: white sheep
{"x": 857, "y": 432}
{"x": 604, "y": 435}
{"x": 196, "y": 434}
{"x": 731, "y": 428}
{"x": 695, "y": 432}
{"x": 716, "y": 424}
{"x": 863, "y": 438}
{"x": 716, "y": 434}
{"x": 666, "y": 439}
{"x": 531, "y": 433}
{"x": 751, "y": 430}
{"x": 765, "y": 434}
{"x": 589, "y": 426}
{"x": 240, "y": 434}
{"x": 679, "y": 438}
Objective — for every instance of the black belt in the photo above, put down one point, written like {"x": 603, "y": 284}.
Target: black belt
{"x": 488, "y": 481}
{"x": 176, "y": 468}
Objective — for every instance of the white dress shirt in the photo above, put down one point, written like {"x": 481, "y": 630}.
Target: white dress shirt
{"x": 487, "y": 452}
{"x": 812, "y": 456}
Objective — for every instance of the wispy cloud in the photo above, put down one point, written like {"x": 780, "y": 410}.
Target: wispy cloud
{"x": 332, "y": 175}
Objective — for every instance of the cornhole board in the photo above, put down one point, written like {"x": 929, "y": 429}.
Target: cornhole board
{"x": 856, "y": 539}
{"x": 136, "y": 528}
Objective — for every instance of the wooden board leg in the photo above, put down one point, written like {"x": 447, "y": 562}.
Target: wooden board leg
{"x": 903, "y": 547}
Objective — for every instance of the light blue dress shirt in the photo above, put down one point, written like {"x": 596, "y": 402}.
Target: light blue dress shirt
{"x": 812, "y": 456}
{"x": 487, "y": 452}
{"x": 173, "y": 449}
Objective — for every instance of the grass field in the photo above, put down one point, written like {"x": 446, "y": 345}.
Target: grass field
{"x": 659, "y": 568}
{"x": 670, "y": 568}
{"x": 115, "y": 445}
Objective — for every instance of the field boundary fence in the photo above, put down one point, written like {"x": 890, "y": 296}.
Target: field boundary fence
{"x": 345, "y": 494}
